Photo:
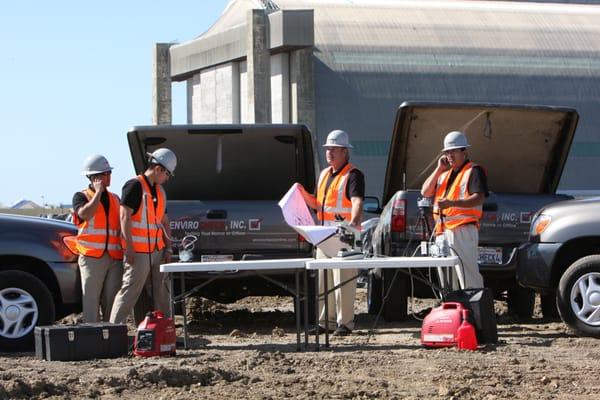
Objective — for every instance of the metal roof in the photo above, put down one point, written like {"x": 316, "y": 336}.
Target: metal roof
{"x": 397, "y": 35}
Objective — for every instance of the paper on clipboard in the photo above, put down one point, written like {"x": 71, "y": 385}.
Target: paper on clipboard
{"x": 297, "y": 215}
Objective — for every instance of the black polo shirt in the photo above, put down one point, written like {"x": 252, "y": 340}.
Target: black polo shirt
{"x": 477, "y": 180}
{"x": 131, "y": 195}
{"x": 79, "y": 200}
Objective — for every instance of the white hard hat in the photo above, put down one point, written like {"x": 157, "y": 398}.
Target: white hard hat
{"x": 338, "y": 138}
{"x": 164, "y": 157}
{"x": 95, "y": 164}
{"x": 455, "y": 140}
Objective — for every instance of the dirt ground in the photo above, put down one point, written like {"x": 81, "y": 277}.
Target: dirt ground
{"x": 247, "y": 350}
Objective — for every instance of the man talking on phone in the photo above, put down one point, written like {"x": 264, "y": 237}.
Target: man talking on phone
{"x": 459, "y": 188}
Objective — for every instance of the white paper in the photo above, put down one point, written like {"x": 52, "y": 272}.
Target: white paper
{"x": 295, "y": 211}
{"x": 297, "y": 215}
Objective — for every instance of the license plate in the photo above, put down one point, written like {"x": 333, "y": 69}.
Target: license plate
{"x": 490, "y": 255}
{"x": 216, "y": 257}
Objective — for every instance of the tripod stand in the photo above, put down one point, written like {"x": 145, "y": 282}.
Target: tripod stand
{"x": 425, "y": 211}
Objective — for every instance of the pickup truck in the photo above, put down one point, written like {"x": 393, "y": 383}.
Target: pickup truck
{"x": 229, "y": 179}
{"x": 562, "y": 261}
{"x": 522, "y": 148}
{"x": 39, "y": 277}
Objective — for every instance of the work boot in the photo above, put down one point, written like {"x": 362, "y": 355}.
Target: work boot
{"x": 313, "y": 331}
{"x": 342, "y": 330}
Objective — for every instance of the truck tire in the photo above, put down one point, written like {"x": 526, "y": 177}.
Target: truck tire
{"x": 395, "y": 300}
{"x": 374, "y": 294}
{"x": 549, "y": 308}
{"x": 578, "y": 296}
{"x": 521, "y": 301}
{"x": 25, "y": 302}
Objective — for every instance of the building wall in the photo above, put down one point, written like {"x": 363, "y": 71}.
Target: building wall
{"x": 364, "y": 70}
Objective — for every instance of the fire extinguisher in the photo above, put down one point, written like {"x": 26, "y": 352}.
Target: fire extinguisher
{"x": 155, "y": 336}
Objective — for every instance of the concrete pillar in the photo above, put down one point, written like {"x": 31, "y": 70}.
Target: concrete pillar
{"x": 214, "y": 95}
{"x": 280, "y": 88}
{"x": 302, "y": 88}
{"x": 258, "y": 67}
{"x": 192, "y": 83}
{"x": 244, "y": 98}
{"x": 161, "y": 85}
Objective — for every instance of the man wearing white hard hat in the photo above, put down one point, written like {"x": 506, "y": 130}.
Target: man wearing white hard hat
{"x": 96, "y": 214}
{"x": 340, "y": 195}
{"x": 459, "y": 187}
{"x": 146, "y": 234}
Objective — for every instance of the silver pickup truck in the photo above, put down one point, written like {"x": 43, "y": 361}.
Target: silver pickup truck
{"x": 522, "y": 148}
{"x": 562, "y": 261}
{"x": 229, "y": 179}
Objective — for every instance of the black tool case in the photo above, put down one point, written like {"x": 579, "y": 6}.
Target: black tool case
{"x": 81, "y": 342}
{"x": 480, "y": 302}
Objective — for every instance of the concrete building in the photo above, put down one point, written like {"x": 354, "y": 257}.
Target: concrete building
{"x": 350, "y": 64}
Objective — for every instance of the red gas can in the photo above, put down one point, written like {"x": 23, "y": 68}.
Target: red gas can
{"x": 441, "y": 325}
{"x": 155, "y": 336}
{"x": 466, "y": 338}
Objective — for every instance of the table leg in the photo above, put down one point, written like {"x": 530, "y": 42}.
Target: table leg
{"x": 171, "y": 300}
{"x": 317, "y": 312}
{"x": 326, "y": 300}
{"x": 184, "y": 308}
{"x": 297, "y": 304}
{"x": 460, "y": 277}
{"x": 305, "y": 309}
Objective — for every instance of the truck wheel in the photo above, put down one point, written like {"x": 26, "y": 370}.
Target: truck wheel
{"x": 396, "y": 303}
{"x": 549, "y": 309}
{"x": 521, "y": 301}
{"x": 25, "y": 302}
{"x": 374, "y": 294}
{"x": 578, "y": 296}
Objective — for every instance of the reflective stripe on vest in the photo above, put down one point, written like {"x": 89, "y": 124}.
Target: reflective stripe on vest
{"x": 454, "y": 217}
{"x": 334, "y": 201}
{"x": 97, "y": 234}
{"x": 146, "y": 228}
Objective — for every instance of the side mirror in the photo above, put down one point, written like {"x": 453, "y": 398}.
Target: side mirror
{"x": 371, "y": 205}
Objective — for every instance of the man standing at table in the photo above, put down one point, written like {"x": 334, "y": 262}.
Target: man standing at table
{"x": 460, "y": 188}
{"x": 339, "y": 198}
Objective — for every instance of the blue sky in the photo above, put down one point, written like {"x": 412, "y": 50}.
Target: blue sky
{"x": 74, "y": 77}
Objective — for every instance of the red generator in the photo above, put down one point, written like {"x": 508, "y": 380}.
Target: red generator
{"x": 441, "y": 325}
{"x": 155, "y": 336}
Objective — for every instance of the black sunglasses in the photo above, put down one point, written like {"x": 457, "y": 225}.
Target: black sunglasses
{"x": 166, "y": 171}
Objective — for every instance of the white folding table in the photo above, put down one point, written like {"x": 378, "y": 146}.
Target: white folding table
{"x": 440, "y": 263}
{"x": 298, "y": 265}
{"x": 224, "y": 268}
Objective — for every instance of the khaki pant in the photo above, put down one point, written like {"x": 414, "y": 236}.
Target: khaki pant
{"x": 145, "y": 273}
{"x": 464, "y": 241}
{"x": 100, "y": 281}
{"x": 340, "y": 303}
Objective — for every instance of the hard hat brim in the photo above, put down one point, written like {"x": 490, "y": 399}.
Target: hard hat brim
{"x": 455, "y": 147}
{"x": 86, "y": 173}
{"x": 348, "y": 146}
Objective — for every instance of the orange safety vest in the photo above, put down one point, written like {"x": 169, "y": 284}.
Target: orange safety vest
{"x": 453, "y": 217}
{"x": 146, "y": 228}
{"x": 332, "y": 201}
{"x": 97, "y": 235}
